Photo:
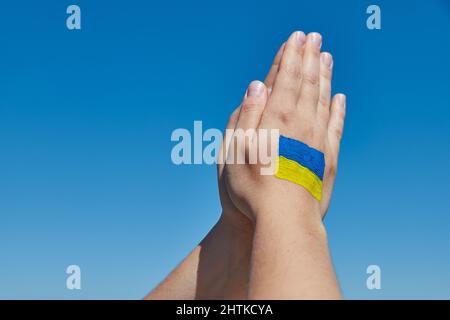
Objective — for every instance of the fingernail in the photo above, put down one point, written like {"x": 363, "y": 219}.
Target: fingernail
{"x": 315, "y": 39}
{"x": 342, "y": 100}
{"x": 300, "y": 37}
{"x": 327, "y": 59}
{"x": 255, "y": 89}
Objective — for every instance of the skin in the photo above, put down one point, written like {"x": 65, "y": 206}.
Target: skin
{"x": 231, "y": 262}
{"x": 290, "y": 257}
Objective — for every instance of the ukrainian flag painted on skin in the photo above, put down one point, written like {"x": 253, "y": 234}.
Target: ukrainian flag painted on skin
{"x": 299, "y": 163}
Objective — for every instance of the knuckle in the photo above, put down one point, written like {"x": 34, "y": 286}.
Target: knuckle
{"x": 338, "y": 131}
{"x": 331, "y": 169}
{"x": 285, "y": 115}
{"x": 324, "y": 99}
{"x": 250, "y": 106}
{"x": 291, "y": 70}
{"x": 326, "y": 74}
{"x": 315, "y": 52}
{"x": 311, "y": 79}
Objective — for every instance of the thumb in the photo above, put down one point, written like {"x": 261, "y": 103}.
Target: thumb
{"x": 252, "y": 106}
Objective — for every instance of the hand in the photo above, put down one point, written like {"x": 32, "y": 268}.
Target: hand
{"x": 299, "y": 105}
{"x": 230, "y": 213}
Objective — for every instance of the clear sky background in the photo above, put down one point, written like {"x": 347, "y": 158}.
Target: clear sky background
{"x": 86, "y": 116}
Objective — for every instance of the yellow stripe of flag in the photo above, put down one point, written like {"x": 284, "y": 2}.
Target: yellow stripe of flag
{"x": 293, "y": 171}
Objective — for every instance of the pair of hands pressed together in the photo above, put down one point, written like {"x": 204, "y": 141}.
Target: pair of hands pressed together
{"x": 270, "y": 242}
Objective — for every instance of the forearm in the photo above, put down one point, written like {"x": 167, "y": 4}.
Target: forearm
{"x": 290, "y": 257}
{"x": 217, "y": 268}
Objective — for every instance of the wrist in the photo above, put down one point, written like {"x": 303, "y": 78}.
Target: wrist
{"x": 304, "y": 218}
{"x": 292, "y": 204}
{"x": 292, "y": 227}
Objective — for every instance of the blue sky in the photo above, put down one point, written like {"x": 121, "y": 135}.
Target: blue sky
{"x": 86, "y": 118}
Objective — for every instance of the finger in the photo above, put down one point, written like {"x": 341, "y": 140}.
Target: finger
{"x": 233, "y": 118}
{"x": 252, "y": 106}
{"x": 226, "y": 140}
{"x": 309, "y": 91}
{"x": 335, "y": 129}
{"x": 270, "y": 79}
{"x": 287, "y": 82}
{"x": 326, "y": 70}
{"x": 336, "y": 123}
